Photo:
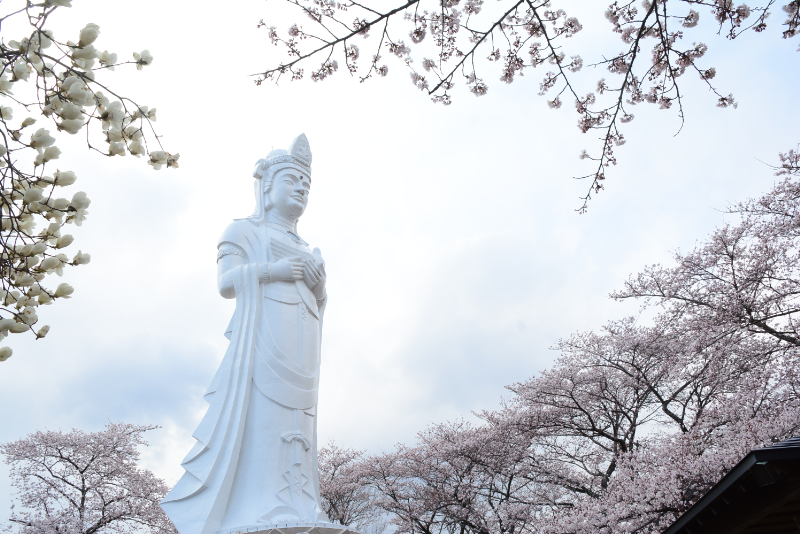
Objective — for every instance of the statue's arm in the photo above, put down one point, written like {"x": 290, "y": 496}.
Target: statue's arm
{"x": 228, "y": 257}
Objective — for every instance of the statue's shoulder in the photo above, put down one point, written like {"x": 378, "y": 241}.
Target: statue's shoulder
{"x": 236, "y": 233}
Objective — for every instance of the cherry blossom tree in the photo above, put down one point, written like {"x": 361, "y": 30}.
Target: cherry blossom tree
{"x": 85, "y": 483}
{"x": 632, "y": 424}
{"x": 346, "y": 497}
{"x": 44, "y": 79}
{"x": 440, "y": 42}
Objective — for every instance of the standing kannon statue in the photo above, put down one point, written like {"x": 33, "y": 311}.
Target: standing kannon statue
{"x": 254, "y": 466}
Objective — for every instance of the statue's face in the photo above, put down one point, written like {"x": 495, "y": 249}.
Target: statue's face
{"x": 289, "y": 193}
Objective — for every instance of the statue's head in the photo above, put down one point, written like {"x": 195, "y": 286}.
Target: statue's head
{"x": 283, "y": 180}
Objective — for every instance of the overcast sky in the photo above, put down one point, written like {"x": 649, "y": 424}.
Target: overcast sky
{"x": 455, "y": 256}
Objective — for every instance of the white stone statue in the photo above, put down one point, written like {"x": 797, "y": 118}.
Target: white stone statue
{"x": 254, "y": 466}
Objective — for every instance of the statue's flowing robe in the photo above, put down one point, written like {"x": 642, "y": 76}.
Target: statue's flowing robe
{"x": 254, "y": 465}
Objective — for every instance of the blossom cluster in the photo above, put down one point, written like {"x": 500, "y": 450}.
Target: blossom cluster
{"x": 57, "y": 78}
{"x": 632, "y": 424}
{"x": 84, "y": 482}
{"x": 456, "y": 40}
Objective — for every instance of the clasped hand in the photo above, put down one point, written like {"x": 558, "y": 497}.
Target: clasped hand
{"x": 291, "y": 269}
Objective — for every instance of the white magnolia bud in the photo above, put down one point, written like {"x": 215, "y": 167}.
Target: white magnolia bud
{"x": 51, "y": 153}
{"x": 19, "y": 328}
{"x": 7, "y": 323}
{"x": 24, "y": 280}
{"x": 38, "y": 248}
{"x": 42, "y": 331}
{"x": 5, "y": 353}
{"x": 34, "y": 194}
{"x": 89, "y": 34}
{"x": 64, "y": 178}
{"x": 71, "y": 126}
{"x": 49, "y": 263}
{"x": 63, "y": 291}
{"x": 28, "y": 121}
{"x": 80, "y": 201}
{"x": 64, "y": 241}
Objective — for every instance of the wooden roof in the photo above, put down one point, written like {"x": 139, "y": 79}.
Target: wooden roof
{"x": 761, "y": 495}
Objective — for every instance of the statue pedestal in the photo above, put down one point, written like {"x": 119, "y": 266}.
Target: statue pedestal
{"x": 293, "y": 528}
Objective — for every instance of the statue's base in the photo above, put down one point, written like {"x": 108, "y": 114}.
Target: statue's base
{"x": 291, "y": 528}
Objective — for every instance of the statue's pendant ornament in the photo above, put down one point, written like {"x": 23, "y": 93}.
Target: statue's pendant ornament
{"x": 254, "y": 465}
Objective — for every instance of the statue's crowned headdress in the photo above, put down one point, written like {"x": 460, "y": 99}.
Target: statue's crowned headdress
{"x": 298, "y": 157}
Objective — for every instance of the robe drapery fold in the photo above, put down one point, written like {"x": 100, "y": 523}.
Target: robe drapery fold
{"x": 201, "y": 495}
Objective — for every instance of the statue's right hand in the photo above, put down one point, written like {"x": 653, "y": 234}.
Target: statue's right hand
{"x": 286, "y": 270}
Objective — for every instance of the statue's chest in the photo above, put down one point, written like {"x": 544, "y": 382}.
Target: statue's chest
{"x": 280, "y": 246}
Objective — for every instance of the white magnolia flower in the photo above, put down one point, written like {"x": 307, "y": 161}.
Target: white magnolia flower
{"x": 71, "y": 126}
{"x": 70, "y": 111}
{"x": 77, "y": 217}
{"x": 136, "y": 148}
{"x": 45, "y": 155}
{"x": 29, "y": 315}
{"x": 41, "y": 40}
{"x": 7, "y": 323}
{"x": 24, "y": 280}
{"x": 81, "y": 258}
{"x": 42, "y": 331}
{"x": 64, "y": 241}
{"x": 157, "y": 159}
{"x": 63, "y": 3}
{"x": 5, "y": 353}
{"x": 51, "y": 153}
{"x": 112, "y": 115}
{"x": 49, "y": 263}
{"x": 69, "y": 81}
{"x": 79, "y": 93}
{"x": 19, "y": 328}
{"x": 102, "y": 101}
{"x": 142, "y": 58}
{"x": 108, "y": 59}
{"x": 6, "y": 113}
{"x": 44, "y": 298}
{"x": 64, "y": 178}
{"x": 5, "y": 85}
{"x": 59, "y": 203}
{"x": 42, "y": 139}
{"x": 27, "y": 122}
{"x": 21, "y": 70}
{"x": 3, "y": 150}
{"x": 89, "y": 34}
{"x": 36, "y": 61}
{"x": 84, "y": 57}
{"x": 80, "y": 201}
{"x": 63, "y": 291}
{"x": 38, "y": 248}
{"x": 152, "y": 114}
{"x": 172, "y": 160}
{"x": 116, "y": 149}
{"x": 34, "y": 194}
{"x": 133, "y": 132}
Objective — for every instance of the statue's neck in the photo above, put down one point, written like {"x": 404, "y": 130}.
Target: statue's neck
{"x": 275, "y": 218}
